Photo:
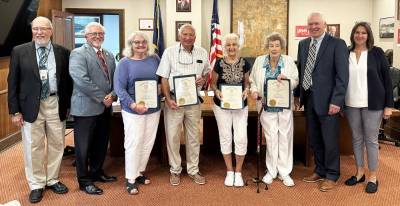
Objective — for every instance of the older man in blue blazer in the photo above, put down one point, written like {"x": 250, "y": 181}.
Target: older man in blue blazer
{"x": 91, "y": 68}
{"x": 323, "y": 68}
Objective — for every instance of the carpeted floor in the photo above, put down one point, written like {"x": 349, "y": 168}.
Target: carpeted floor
{"x": 13, "y": 185}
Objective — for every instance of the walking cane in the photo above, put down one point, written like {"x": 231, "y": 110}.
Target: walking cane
{"x": 257, "y": 179}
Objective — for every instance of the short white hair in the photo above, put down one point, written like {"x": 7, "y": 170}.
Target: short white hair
{"x": 128, "y": 48}
{"x": 186, "y": 26}
{"x": 231, "y": 36}
{"x": 93, "y": 24}
{"x": 44, "y": 19}
{"x": 317, "y": 14}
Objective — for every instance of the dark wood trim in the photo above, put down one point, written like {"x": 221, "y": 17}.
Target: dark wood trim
{"x": 91, "y": 11}
{"x": 10, "y": 140}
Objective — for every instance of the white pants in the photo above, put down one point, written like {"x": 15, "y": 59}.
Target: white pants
{"x": 225, "y": 120}
{"x": 173, "y": 119}
{"x": 278, "y": 131}
{"x": 140, "y": 133}
{"x": 42, "y": 168}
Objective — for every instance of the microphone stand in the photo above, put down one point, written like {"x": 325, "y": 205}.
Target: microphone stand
{"x": 257, "y": 179}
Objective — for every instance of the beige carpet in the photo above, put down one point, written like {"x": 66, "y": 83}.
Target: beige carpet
{"x": 13, "y": 185}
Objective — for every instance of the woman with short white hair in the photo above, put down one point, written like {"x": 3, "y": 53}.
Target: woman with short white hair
{"x": 140, "y": 122}
{"x": 277, "y": 123}
{"x": 231, "y": 69}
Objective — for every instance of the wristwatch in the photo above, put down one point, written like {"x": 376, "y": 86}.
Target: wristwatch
{"x": 15, "y": 114}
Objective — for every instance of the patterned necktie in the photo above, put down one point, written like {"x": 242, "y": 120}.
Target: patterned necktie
{"x": 103, "y": 63}
{"x": 43, "y": 56}
{"x": 307, "y": 80}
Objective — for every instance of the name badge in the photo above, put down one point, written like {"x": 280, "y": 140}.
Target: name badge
{"x": 43, "y": 74}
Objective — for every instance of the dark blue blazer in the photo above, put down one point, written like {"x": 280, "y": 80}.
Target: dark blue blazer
{"x": 380, "y": 90}
{"x": 330, "y": 75}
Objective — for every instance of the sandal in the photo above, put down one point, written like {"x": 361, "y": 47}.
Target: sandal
{"x": 132, "y": 188}
{"x": 142, "y": 180}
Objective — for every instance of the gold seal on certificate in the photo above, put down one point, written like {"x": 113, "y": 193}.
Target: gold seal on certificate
{"x": 146, "y": 93}
{"x": 185, "y": 90}
{"x": 231, "y": 96}
{"x": 278, "y": 93}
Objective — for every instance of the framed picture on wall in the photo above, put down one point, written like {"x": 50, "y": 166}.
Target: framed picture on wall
{"x": 183, "y": 5}
{"x": 386, "y": 27}
{"x": 178, "y": 25}
{"x": 146, "y": 24}
{"x": 333, "y": 30}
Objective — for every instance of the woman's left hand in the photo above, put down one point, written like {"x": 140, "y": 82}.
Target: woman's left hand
{"x": 387, "y": 112}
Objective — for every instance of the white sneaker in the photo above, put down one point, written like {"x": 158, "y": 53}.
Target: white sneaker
{"x": 238, "y": 180}
{"x": 287, "y": 180}
{"x": 267, "y": 179}
{"x": 229, "y": 179}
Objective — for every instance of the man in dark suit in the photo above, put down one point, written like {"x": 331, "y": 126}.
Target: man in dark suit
{"x": 39, "y": 93}
{"x": 323, "y": 68}
{"x": 92, "y": 70}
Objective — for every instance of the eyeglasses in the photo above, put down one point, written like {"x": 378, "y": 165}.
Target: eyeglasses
{"x": 96, "y": 34}
{"x": 185, "y": 60}
{"x": 36, "y": 29}
{"x": 139, "y": 42}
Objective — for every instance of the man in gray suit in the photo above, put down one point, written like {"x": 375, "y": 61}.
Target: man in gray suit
{"x": 324, "y": 75}
{"x": 91, "y": 68}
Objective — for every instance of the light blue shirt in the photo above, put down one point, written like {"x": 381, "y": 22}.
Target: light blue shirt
{"x": 319, "y": 41}
{"x": 51, "y": 66}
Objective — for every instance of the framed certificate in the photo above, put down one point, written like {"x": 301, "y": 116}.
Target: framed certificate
{"x": 146, "y": 93}
{"x": 277, "y": 94}
{"x": 231, "y": 96}
{"x": 185, "y": 90}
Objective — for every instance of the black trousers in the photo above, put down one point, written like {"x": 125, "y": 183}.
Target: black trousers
{"x": 323, "y": 134}
{"x": 91, "y": 143}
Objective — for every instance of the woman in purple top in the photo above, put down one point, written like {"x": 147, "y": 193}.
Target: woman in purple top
{"x": 140, "y": 118}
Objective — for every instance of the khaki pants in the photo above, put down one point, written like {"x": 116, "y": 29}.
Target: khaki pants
{"x": 42, "y": 168}
{"x": 190, "y": 117}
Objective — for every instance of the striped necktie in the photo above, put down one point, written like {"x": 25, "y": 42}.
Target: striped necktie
{"x": 103, "y": 63}
{"x": 307, "y": 80}
{"x": 43, "y": 56}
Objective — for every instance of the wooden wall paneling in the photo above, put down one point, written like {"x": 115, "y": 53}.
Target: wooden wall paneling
{"x": 45, "y": 7}
{"x": 6, "y": 127}
{"x": 63, "y": 30}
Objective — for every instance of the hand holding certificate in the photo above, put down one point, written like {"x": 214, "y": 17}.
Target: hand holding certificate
{"x": 231, "y": 96}
{"x": 185, "y": 90}
{"x": 278, "y": 93}
{"x": 146, "y": 93}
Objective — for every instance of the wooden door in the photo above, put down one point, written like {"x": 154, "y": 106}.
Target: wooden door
{"x": 63, "y": 29}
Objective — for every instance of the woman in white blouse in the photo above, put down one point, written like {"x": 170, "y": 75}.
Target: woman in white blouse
{"x": 369, "y": 97}
{"x": 276, "y": 122}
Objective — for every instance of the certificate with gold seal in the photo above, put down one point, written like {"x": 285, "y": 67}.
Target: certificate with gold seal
{"x": 231, "y": 96}
{"x": 146, "y": 92}
{"x": 277, "y": 93}
{"x": 185, "y": 90}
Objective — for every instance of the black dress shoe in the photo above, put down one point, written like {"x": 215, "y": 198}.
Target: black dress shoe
{"x": 91, "y": 189}
{"x": 36, "y": 195}
{"x": 105, "y": 178}
{"x": 372, "y": 187}
{"x": 58, "y": 188}
{"x": 353, "y": 180}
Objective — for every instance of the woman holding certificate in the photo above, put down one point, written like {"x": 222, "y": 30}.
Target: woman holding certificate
{"x": 230, "y": 83}
{"x": 136, "y": 84}
{"x": 273, "y": 78}
{"x": 369, "y": 98}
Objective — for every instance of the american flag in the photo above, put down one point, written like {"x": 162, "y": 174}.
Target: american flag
{"x": 216, "y": 45}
